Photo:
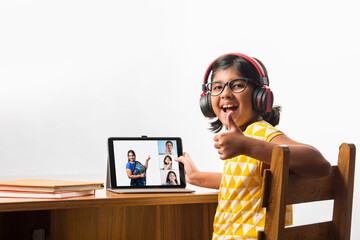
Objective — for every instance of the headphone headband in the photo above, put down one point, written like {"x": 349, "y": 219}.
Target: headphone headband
{"x": 263, "y": 79}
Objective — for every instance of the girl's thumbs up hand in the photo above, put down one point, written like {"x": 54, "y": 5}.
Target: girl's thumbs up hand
{"x": 229, "y": 144}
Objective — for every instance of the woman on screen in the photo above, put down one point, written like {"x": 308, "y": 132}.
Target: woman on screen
{"x": 135, "y": 170}
{"x": 171, "y": 178}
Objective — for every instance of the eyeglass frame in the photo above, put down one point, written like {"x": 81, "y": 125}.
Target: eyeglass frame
{"x": 247, "y": 80}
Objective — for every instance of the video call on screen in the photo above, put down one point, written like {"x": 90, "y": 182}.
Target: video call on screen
{"x": 162, "y": 169}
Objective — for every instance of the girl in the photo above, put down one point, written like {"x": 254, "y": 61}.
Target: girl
{"x": 171, "y": 178}
{"x": 238, "y": 97}
{"x": 167, "y": 163}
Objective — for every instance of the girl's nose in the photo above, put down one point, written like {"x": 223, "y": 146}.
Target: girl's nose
{"x": 226, "y": 91}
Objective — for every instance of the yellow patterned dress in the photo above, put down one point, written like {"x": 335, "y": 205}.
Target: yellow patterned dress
{"x": 239, "y": 214}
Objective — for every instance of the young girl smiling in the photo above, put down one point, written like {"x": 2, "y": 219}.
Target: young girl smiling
{"x": 238, "y": 97}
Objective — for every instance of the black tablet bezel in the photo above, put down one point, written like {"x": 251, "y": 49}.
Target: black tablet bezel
{"x": 112, "y": 161}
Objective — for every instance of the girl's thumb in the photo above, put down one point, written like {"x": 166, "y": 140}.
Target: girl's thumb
{"x": 230, "y": 122}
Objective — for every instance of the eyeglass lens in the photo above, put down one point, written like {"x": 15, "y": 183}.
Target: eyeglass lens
{"x": 235, "y": 85}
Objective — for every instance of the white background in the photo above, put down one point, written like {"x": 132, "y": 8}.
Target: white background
{"x": 74, "y": 73}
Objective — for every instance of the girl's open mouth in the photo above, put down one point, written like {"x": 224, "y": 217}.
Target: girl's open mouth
{"x": 229, "y": 107}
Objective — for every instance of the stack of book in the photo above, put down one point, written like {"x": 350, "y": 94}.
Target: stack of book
{"x": 43, "y": 188}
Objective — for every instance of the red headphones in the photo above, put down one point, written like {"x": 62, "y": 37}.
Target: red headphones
{"x": 262, "y": 98}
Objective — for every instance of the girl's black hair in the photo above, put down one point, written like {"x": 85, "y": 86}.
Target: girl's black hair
{"x": 131, "y": 151}
{"x": 247, "y": 70}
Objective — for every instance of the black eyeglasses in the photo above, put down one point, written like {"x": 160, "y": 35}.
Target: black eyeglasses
{"x": 236, "y": 85}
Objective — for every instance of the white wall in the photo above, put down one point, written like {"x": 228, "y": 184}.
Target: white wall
{"x": 74, "y": 73}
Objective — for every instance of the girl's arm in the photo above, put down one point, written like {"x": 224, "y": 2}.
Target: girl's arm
{"x": 131, "y": 176}
{"x": 305, "y": 160}
{"x": 197, "y": 178}
{"x": 167, "y": 167}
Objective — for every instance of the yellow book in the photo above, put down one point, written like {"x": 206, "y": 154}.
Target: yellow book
{"x": 48, "y": 186}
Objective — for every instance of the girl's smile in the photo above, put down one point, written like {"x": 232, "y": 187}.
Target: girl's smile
{"x": 229, "y": 107}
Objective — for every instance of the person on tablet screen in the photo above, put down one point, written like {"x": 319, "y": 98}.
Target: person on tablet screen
{"x": 171, "y": 178}
{"x": 169, "y": 148}
{"x": 135, "y": 170}
{"x": 167, "y": 163}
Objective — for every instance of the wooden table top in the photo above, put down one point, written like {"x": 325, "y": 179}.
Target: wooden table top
{"x": 106, "y": 198}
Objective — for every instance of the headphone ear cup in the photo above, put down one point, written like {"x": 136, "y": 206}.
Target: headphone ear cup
{"x": 260, "y": 98}
{"x": 205, "y": 106}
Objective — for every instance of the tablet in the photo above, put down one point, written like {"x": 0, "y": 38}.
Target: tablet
{"x": 145, "y": 163}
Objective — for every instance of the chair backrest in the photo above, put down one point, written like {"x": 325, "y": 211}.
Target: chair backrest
{"x": 282, "y": 188}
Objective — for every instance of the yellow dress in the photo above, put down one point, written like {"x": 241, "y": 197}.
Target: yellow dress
{"x": 239, "y": 214}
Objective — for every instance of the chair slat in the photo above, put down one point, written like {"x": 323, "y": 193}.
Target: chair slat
{"x": 275, "y": 212}
{"x": 318, "y": 231}
{"x": 302, "y": 189}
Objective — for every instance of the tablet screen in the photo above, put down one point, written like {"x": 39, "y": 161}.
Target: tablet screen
{"x": 145, "y": 162}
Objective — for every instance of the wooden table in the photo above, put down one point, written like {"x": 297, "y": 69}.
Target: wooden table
{"x": 109, "y": 215}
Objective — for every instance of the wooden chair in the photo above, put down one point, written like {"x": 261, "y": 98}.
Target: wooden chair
{"x": 282, "y": 188}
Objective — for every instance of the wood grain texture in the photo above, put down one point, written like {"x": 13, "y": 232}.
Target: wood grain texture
{"x": 344, "y": 192}
{"x": 188, "y": 221}
{"x": 312, "y": 189}
{"x": 317, "y": 231}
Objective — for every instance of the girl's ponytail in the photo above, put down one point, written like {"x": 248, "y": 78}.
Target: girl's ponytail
{"x": 216, "y": 126}
{"x": 273, "y": 117}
